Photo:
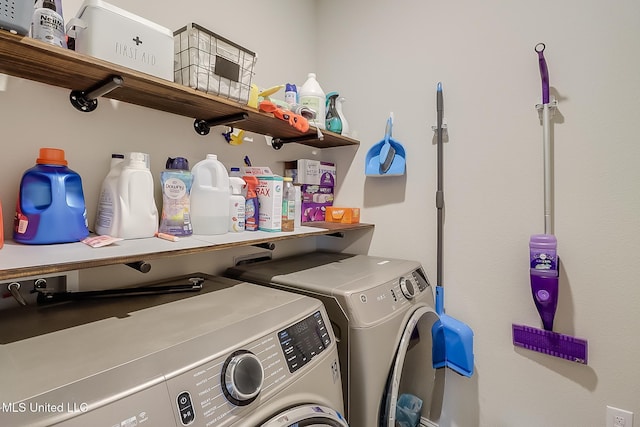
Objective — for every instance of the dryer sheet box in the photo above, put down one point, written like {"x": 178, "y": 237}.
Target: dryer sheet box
{"x": 315, "y": 201}
{"x": 312, "y": 172}
{"x": 107, "y": 32}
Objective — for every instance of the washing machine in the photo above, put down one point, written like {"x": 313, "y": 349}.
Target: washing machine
{"x": 382, "y": 311}
{"x": 232, "y": 354}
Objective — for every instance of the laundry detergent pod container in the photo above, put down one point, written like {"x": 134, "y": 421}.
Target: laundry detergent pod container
{"x": 51, "y": 206}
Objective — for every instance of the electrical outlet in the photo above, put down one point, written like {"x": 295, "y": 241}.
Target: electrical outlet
{"x": 619, "y": 417}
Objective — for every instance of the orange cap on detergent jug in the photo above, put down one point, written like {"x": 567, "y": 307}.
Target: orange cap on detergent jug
{"x": 51, "y": 156}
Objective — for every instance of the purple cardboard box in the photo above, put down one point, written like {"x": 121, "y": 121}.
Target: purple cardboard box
{"x": 315, "y": 199}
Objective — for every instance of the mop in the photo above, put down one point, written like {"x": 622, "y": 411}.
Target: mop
{"x": 544, "y": 261}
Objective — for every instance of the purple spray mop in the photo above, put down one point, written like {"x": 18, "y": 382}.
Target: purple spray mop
{"x": 544, "y": 263}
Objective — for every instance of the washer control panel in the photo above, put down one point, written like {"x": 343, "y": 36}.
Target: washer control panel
{"x": 220, "y": 391}
{"x": 304, "y": 340}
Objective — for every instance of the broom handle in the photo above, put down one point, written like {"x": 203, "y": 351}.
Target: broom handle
{"x": 440, "y": 190}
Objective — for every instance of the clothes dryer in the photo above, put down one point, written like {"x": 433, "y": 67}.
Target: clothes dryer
{"x": 382, "y": 311}
{"x": 232, "y": 354}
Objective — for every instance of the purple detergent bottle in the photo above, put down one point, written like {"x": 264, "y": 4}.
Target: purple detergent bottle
{"x": 544, "y": 276}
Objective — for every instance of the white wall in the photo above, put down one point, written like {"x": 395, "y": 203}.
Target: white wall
{"x": 388, "y": 56}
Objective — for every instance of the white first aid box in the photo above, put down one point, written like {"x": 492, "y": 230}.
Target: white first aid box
{"x": 115, "y": 35}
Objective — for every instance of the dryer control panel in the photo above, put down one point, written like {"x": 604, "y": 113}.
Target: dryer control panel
{"x": 375, "y": 304}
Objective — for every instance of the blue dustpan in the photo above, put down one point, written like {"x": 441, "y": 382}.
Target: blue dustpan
{"x": 452, "y": 341}
{"x": 387, "y": 157}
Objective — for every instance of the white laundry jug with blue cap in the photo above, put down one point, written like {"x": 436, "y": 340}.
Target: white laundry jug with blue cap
{"x": 210, "y": 197}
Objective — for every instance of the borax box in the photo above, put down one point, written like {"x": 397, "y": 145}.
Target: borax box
{"x": 269, "y": 193}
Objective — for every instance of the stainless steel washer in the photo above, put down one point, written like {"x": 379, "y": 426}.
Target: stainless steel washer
{"x": 233, "y": 354}
{"x": 382, "y": 311}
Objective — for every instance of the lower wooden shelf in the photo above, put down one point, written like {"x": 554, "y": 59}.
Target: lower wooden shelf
{"x": 19, "y": 260}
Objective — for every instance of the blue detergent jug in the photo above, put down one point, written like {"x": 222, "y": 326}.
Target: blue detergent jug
{"x": 51, "y": 207}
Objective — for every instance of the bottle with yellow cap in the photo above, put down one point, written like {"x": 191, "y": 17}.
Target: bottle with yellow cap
{"x": 51, "y": 206}
{"x": 288, "y": 204}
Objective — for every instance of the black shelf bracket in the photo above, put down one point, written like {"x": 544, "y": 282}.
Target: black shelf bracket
{"x": 278, "y": 143}
{"x": 339, "y": 234}
{"x": 269, "y": 246}
{"x": 141, "y": 266}
{"x": 86, "y": 100}
{"x": 202, "y": 127}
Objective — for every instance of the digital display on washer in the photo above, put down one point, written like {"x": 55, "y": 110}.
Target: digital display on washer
{"x": 302, "y": 341}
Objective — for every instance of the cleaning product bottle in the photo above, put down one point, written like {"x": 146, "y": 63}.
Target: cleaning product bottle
{"x": 127, "y": 207}
{"x": 210, "y": 197}
{"x": 108, "y": 190}
{"x": 236, "y": 205}
{"x": 47, "y": 25}
{"x": 176, "y": 183}
{"x": 333, "y": 121}
{"x": 252, "y": 209}
{"x": 288, "y": 204}
{"x": 291, "y": 94}
{"x": 312, "y": 96}
{"x": 50, "y": 207}
{"x": 544, "y": 276}
{"x": 343, "y": 120}
{"x": 297, "y": 221}
{"x": 543, "y": 253}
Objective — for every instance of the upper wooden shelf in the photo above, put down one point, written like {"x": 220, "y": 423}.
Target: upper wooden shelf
{"x": 34, "y": 60}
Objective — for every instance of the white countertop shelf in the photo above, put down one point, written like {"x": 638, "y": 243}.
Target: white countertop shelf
{"x": 19, "y": 260}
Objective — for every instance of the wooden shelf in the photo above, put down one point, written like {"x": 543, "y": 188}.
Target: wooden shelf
{"x": 34, "y": 60}
{"x": 19, "y": 260}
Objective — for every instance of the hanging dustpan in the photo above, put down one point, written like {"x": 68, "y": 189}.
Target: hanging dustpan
{"x": 452, "y": 345}
{"x": 387, "y": 157}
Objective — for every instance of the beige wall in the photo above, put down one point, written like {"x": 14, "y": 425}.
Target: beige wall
{"x": 387, "y": 56}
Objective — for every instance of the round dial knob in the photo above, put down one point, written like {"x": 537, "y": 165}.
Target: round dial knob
{"x": 406, "y": 286}
{"x": 242, "y": 377}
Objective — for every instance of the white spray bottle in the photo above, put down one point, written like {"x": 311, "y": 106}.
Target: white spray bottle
{"x": 236, "y": 205}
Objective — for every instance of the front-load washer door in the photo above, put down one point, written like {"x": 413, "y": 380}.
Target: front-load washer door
{"x": 412, "y": 372}
{"x": 307, "y": 416}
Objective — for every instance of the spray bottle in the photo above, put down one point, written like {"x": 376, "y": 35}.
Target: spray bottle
{"x": 47, "y": 24}
{"x": 252, "y": 211}
{"x": 236, "y": 205}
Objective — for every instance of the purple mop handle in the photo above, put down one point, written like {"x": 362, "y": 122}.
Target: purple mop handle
{"x": 544, "y": 72}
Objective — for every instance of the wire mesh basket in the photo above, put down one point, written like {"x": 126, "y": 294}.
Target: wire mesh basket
{"x": 205, "y": 61}
{"x": 15, "y": 16}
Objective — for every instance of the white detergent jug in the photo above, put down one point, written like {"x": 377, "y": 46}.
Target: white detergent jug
{"x": 210, "y": 197}
{"x": 127, "y": 206}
